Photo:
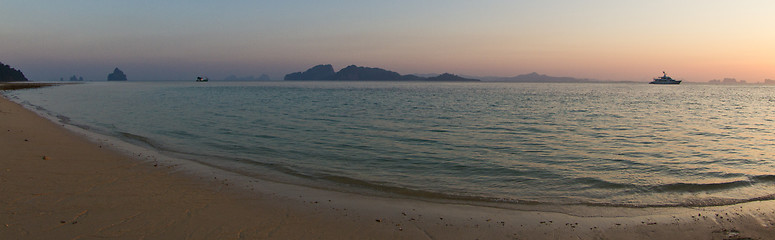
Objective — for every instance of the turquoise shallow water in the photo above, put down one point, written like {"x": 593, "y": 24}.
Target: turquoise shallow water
{"x": 596, "y": 144}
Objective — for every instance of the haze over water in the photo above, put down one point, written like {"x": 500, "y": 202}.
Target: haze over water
{"x": 599, "y": 144}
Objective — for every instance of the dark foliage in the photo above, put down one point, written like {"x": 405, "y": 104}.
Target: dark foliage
{"x": 9, "y": 74}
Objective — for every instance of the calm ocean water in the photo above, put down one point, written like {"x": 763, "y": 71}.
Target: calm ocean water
{"x": 596, "y": 144}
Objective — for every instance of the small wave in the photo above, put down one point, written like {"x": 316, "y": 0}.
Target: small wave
{"x": 264, "y": 136}
{"x": 705, "y": 202}
{"x": 486, "y": 201}
{"x": 705, "y": 187}
{"x": 599, "y": 183}
{"x": 139, "y": 139}
{"x": 407, "y": 192}
{"x": 63, "y": 119}
{"x": 594, "y": 182}
{"x": 698, "y": 187}
{"x": 438, "y": 130}
{"x": 181, "y": 134}
{"x": 763, "y": 178}
{"x": 66, "y": 120}
{"x": 416, "y": 140}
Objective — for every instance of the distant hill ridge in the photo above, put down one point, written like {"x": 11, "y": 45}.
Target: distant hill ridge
{"x": 325, "y": 72}
{"x": 539, "y": 78}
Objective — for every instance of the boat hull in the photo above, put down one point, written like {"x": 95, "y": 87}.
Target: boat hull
{"x": 673, "y": 83}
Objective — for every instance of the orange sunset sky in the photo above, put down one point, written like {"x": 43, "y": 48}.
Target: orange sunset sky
{"x": 607, "y": 40}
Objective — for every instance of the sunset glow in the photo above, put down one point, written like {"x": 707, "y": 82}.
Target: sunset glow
{"x": 607, "y": 40}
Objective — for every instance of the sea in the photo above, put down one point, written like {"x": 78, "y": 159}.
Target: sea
{"x": 599, "y": 144}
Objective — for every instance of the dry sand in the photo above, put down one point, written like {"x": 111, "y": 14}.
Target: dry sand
{"x": 58, "y": 184}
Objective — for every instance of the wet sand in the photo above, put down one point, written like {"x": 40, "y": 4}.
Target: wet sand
{"x": 59, "y": 184}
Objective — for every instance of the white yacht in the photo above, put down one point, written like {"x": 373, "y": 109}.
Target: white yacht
{"x": 665, "y": 80}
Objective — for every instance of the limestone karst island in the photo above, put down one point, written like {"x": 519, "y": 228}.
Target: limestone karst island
{"x": 117, "y": 75}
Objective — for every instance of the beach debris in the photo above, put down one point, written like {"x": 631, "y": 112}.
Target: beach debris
{"x": 732, "y": 234}
{"x": 379, "y": 220}
{"x": 46, "y": 157}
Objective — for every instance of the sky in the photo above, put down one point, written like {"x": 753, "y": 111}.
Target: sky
{"x": 623, "y": 40}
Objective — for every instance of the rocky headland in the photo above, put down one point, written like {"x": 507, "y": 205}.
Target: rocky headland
{"x": 9, "y": 74}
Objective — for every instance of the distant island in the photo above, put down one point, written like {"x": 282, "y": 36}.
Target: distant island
{"x": 9, "y": 74}
{"x": 233, "y": 77}
{"x": 735, "y": 81}
{"x": 538, "y": 78}
{"x": 117, "y": 75}
{"x": 448, "y": 77}
{"x": 74, "y": 79}
{"x": 325, "y": 72}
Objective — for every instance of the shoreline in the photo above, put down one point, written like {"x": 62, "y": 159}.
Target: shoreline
{"x": 61, "y": 184}
{"x": 25, "y": 85}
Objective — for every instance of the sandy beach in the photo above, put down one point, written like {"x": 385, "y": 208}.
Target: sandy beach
{"x": 59, "y": 184}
